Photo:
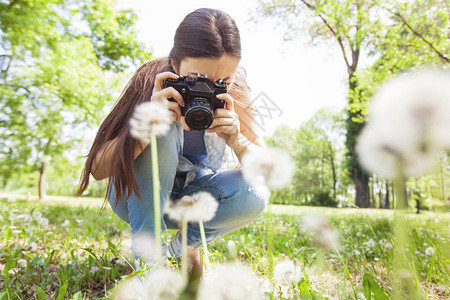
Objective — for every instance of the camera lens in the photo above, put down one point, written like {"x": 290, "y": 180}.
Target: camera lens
{"x": 199, "y": 114}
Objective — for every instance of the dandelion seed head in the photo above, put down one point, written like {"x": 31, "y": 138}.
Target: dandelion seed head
{"x": 314, "y": 222}
{"x": 164, "y": 284}
{"x": 37, "y": 214}
{"x": 286, "y": 272}
{"x": 150, "y": 118}
{"x": 429, "y": 251}
{"x": 143, "y": 246}
{"x": 370, "y": 243}
{"x": 388, "y": 246}
{"x": 231, "y": 247}
{"x": 44, "y": 222}
{"x": 65, "y": 223}
{"x": 328, "y": 238}
{"x": 130, "y": 289}
{"x": 275, "y": 165}
{"x": 201, "y": 206}
{"x": 230, "y": 282}
{"x": 408, "y": 120}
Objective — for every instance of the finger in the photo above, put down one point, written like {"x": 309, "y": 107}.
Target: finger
{"x": 224, "y": 121}
{"x": 174, "y": 116}
{"x": 175, "y": 108}
{"x": 168, "y": 93}
{"x": 161, "y": 78}
{"x": 222, "y": 129}
{"x": 229, "y": 101}
{"x": 224, "y": 113}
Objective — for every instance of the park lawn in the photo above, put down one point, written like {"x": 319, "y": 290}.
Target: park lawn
{"x": 64, "y": 248}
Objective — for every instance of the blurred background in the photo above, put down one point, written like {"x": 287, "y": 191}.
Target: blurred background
{"x": 312, "y": 66}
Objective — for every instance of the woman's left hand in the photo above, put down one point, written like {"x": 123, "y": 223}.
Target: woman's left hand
{"x": 226, "y": 122}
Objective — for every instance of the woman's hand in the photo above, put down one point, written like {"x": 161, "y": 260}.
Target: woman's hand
{"x": 226, "y": 123}
{"x": 164, "y": 94}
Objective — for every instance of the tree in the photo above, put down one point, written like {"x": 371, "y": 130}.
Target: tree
{"x": 58, "y": 60}
{"x": 379, "y": 28}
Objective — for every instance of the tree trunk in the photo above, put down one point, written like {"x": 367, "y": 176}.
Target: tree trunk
{"x": 333, "y": 169}
{"x": 362, "y": 190}
{"x": 42, "y": 181}
{"x": 387, "y": 204}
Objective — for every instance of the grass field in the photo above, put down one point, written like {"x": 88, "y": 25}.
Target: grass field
{"x": 63, "y": 248}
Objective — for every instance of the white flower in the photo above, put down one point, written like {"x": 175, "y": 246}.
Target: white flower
{"x": 163, "y": 284}
{"x": 22, "y": 262}
{"x": 230, "y": 282}
{"x": 286, "y": 272}
{"x": 16, "y": 231}
{"x": 65, "y": 223}
{"x": 408, "y": 121}
{"x": 275, "y": 165}
{"x": 429, "y": 251}
{"x": 150, "y": 118}
{"x": 12, "y": 199}
{"x": 370, "y": 243}
{"x": 201, "y": 206}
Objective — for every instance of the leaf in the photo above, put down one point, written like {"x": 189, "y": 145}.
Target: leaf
{"x": 370, "y": 285}
{"x": 40, "y": 293}
{"x": 91, "y": 252}
{"x": 77, "y": 296}
{"x": 62, "y": 290}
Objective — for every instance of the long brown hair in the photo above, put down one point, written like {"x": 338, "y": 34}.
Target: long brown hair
{"x": 203, "y": 33}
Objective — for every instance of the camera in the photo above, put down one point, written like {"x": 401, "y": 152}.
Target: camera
{"x": 200, "y": 99}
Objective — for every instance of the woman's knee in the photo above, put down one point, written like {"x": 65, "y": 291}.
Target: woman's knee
{"x": 253, "y": 198}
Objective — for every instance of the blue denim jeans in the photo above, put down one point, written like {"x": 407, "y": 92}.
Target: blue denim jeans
{"x": 239, "y": 203}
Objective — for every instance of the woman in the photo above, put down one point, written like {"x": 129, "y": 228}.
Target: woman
{"x": 207, "y": 42}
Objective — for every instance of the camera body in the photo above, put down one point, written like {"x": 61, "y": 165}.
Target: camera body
{"x": 200, "y": 99}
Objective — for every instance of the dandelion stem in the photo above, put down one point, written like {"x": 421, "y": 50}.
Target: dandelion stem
{"x": 185, "y": 256}
{"x": 405, "y": 285}
{"x": 156, "y": 200}
{"x": 205, "y": 249}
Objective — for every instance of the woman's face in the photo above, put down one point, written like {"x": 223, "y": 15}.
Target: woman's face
{"x": 223, "y": 67}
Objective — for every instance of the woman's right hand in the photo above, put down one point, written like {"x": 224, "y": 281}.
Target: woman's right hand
{"x": 164, "y": 94}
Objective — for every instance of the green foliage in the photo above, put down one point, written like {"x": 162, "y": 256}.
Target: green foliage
{"x": 57, "y": 261}
{"x": 57, "y": 75}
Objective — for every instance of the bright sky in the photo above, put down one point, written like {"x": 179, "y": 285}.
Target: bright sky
{"x": 296, "y": 79}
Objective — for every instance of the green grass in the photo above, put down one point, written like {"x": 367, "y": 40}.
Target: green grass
{"x": 86, "y": 258}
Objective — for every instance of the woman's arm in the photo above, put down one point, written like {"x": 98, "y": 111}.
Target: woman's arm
{"x": 101, "y": 166}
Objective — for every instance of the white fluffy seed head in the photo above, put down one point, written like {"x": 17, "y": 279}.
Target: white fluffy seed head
{"x": 150, "y": 118}
{"x": 408, "y": 120}
{"x": 163, "y": 284}
{"x": 201, "y": 206}
{"x": 143, "y": 246}
{"x": 230, "y": 282}
{"x": 287, "y": 271}
{"x": 274, "y": 164}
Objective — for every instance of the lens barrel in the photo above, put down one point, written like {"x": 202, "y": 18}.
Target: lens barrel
{"x": 199, "y": 114}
